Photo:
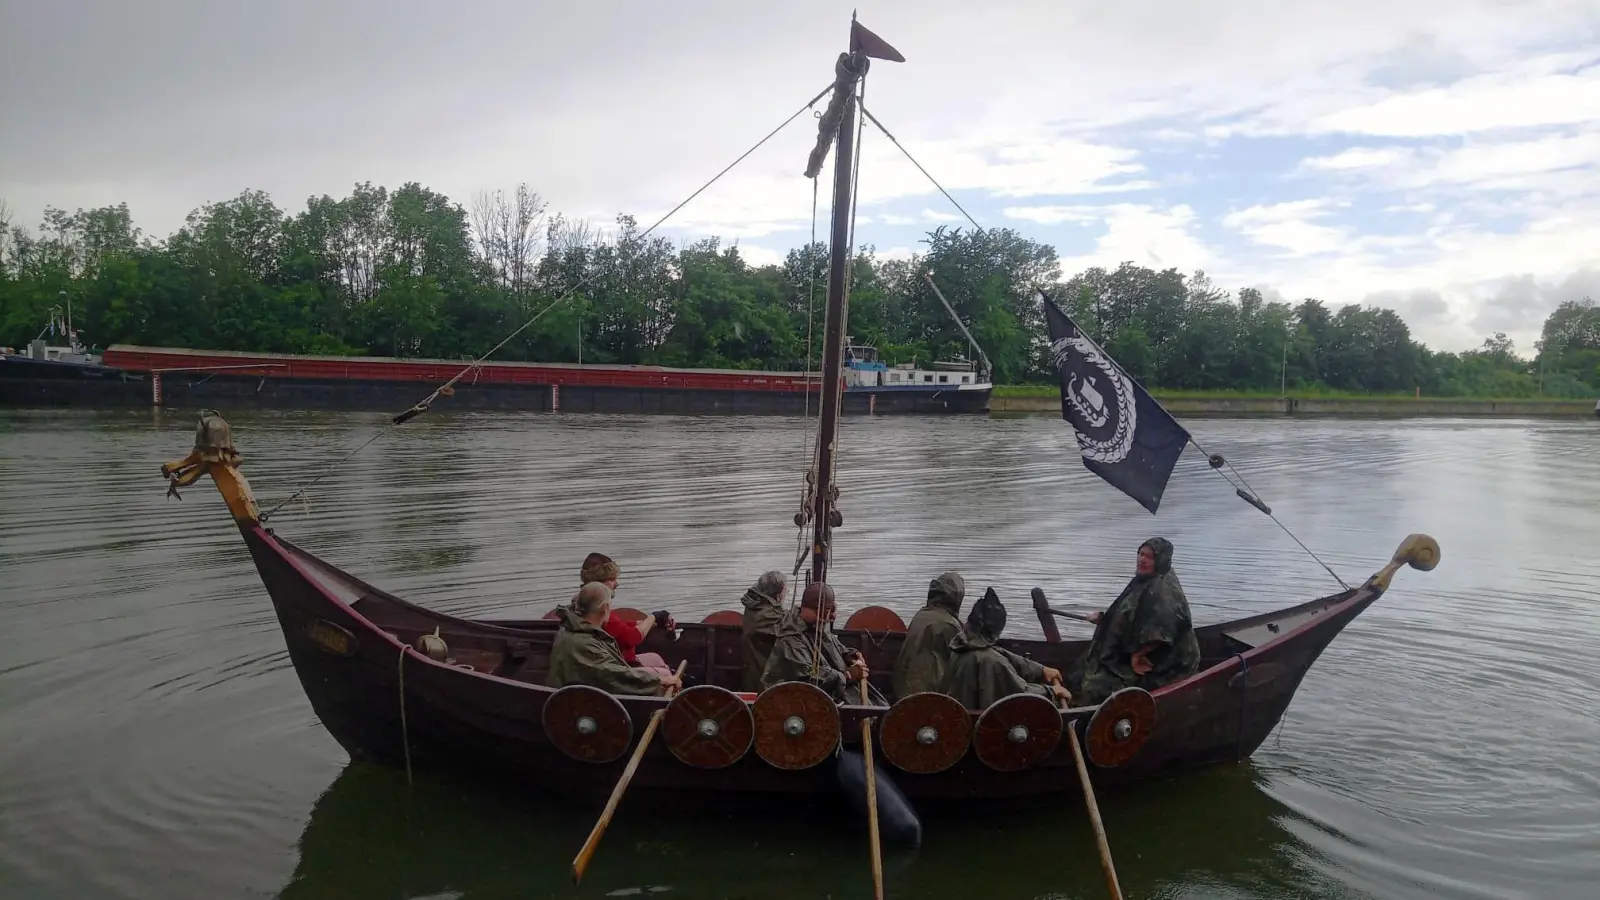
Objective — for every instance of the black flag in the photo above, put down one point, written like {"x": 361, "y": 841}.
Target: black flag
{"x": 865, "y": 42}
{"x": 1125, "y": 436}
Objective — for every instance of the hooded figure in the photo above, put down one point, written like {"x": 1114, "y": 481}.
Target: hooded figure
{"x": 1145, "y": 638}
{"x": 981, "y": 671}
{"x": 925, "y": 653}
{"x": 806, "y": 649}
{"x": 584, "y": 653}
{"x": 763, "y": 609}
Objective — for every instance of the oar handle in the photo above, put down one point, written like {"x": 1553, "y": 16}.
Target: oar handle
{"x": 1113, "y": 886}
{"x": 586, "y": 853}
{"x": 1081, "y": 617}
{"x": 1041, "y": 605}
{"x": 872, "y": 800}
{"x": 679, "y": 673}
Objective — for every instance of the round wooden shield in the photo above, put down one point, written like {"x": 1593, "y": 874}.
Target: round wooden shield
{"x": 708, "y": 727}
{"x": 1118, "y": 729}
{"x": 875, "y": 618}
{"x": 925, "y": 733}
{"x": 587, "y": 724}
{"x": 797, "y": 725}
{"x": 628, "y": 613}
{"x": 552, "y": 614}
{"x": 724, "y": 617}
{"x": 1017, "y": 732}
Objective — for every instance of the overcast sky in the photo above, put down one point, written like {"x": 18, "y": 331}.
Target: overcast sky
{"x": 1441, "y": 158}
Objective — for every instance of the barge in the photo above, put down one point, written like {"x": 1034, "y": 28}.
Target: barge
{"x": 183, "y": 378}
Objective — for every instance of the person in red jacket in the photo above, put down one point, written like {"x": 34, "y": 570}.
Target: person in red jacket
{"x": 601, "y": 568}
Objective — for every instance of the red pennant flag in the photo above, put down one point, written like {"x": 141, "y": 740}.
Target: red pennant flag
{"x": 865, "y": 42}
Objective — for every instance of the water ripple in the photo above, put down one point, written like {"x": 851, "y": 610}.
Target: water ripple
{"x": 156, "y": 741}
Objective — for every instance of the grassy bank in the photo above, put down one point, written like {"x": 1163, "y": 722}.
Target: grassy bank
{"x": 1052, "y": 391}
{"x": 1197, "y": 403}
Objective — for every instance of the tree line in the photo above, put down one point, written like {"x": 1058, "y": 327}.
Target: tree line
{"x": 408, "y": 272}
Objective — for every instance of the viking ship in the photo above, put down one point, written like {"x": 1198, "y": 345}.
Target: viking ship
{"x": 402, "y": 685}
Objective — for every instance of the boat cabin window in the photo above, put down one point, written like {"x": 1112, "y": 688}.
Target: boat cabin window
{"x": 966, "y": 378}
{"x": 927, "y": 378}
{"x": 894, "y": 376}
{"x": 944, "y": 379}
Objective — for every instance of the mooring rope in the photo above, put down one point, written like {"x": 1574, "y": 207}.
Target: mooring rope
{"x": 1244, "y": 696}
{"x": 405, "y": 733}
{"x": 476, "y": 364}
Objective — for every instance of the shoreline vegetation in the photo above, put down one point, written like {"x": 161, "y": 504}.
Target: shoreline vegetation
{"x": 1052, "y": 392}
{"x": 411, "y": 273}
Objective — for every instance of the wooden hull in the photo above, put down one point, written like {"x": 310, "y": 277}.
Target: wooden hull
{"x": 487, "y": 719}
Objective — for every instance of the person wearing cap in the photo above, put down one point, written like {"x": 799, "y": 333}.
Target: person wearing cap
{"x": 807, "y": 650}
{"x": 981, "y": 671}
{"x": 598, "y": 567}
{"x": 584, "y": 653}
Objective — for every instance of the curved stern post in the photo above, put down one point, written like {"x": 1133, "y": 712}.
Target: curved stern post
{"x": 214, "y": 455}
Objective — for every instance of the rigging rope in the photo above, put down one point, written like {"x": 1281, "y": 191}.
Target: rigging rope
{"x": 422, "y": 406}
{"x": 809, "y": 442}
{"x": 849, "y": 273}
{"x": 1248, "y": 495}
{"x": 1243, "y": 488}
{"x": 934, "y": 181}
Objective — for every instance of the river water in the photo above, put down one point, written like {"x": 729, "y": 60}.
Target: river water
{"x": 155, "y": 742}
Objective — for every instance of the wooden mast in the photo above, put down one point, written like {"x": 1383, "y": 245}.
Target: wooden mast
{"x": 848, "y": 72}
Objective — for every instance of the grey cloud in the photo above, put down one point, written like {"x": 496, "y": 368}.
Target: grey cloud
{"x": 1521, "y": 304}
{"x": 1421, "y": 307}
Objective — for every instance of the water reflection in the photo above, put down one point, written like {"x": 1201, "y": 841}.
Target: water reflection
{"x": 1214, "y": 834}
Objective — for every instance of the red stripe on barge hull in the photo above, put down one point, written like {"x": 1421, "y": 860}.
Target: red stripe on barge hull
{"x": 219, "y": 379}
{"x": 430, "y": 371}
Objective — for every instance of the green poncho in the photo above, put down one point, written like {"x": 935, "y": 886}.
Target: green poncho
{"x": 925, "y": 653}
{"x": 762, "y": 613}
{"x": 981, "y": 671}
{"x": 791, "y": 658}
{"x": 1150, "y": 610}
{"x": 585, "y": 654}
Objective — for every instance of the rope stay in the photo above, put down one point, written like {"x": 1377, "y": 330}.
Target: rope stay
{"x": 925, "y": 173}
{"x": 1248, "y": 494}
{"x": 808, "y": 442}
{"x": 477, "y": 364}
{"x": 1216, "y": 461}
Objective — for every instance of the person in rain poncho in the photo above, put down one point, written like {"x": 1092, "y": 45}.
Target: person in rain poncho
{"x": 806, "y": 649}
{"x": 763, "y": 610}
{"x": 925, "y": 653}
{"x": 584, "y": 653}
{"x": 1145, "y": 638}
{"x": 981, "y": 671}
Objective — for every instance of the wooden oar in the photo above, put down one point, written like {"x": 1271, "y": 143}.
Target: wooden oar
{"x": 581, "y": 861}
{"x": 1043, "y": 605}
{"x": 872, "y": 800}
{"x": 1081, "y": 617}
{"x": 1094, "y": 815}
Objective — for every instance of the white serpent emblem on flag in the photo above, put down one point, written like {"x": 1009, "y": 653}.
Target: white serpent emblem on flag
{"x": 1088, "y": 400}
